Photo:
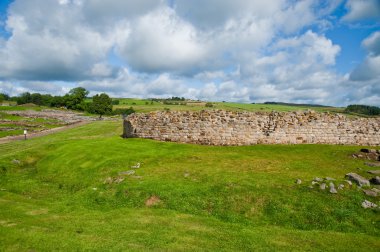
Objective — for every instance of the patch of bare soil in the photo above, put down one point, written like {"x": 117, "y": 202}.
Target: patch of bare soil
{"x": 152, "y": 201}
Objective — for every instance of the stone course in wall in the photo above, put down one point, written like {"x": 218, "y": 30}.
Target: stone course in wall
{"x": 218, "y": 127}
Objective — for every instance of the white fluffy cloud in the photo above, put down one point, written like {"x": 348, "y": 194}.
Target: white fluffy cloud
{"x": 362, "y": 9}
{"x": 235, "y": 50}
{"x": 369, "y": 69}
{"x": 160, "y": 41}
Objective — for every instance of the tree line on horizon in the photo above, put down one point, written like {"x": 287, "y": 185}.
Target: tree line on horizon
{"x": 75, "y": 99}
{"x": 102, "y": 104}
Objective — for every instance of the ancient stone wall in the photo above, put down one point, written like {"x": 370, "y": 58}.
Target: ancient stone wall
{"x": 217, "y": 127}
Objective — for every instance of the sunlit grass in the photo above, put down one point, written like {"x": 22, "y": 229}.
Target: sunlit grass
{"x": 211, "y": 198}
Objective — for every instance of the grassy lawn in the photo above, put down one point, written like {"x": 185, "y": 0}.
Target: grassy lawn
{"x": 53, "y": 196}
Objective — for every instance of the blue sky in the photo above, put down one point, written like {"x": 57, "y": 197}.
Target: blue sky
{"x": 309, "y": 51}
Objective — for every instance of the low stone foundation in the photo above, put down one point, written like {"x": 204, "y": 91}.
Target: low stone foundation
{"x": 218, "y": 127}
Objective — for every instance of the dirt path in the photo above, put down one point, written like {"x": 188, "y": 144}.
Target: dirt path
{"x": 42, "y": 133}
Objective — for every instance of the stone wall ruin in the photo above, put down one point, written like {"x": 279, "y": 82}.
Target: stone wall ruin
{"x": 218, "y": 127}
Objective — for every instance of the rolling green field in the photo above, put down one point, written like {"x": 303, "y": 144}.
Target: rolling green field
{"x": 144, "y": 105}
{"x": 66, "y": 192}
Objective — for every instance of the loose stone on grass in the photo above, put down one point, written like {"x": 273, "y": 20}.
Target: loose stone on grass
{"x": 322, "y": 186}
{"x": 340, "y": 187}
{"x": 370, "y": 193}
{"x": 348, "y": 182}
{"x": 373, "y": 165}
{"x": 111, "y": 180}
{"x": 357, "y": 179}
{"x": 127, "y": 173}
{"x": 137, "y": 166}
{"x": 332, "y": 188}
{"x": 108, "y": 180}
{"x": 374, "y": 172}
{"x": 329, "y": 179}
{"x": 15, "y": 161}
{"x": 368, "y": 204}
{"x": 118, "y": 180}
{"x": 298, "y": 181}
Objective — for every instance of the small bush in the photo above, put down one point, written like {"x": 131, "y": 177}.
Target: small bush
{"x": 121, "y": 111}
{"x": 209, "y": 105}
{"x": 115, "y": 102}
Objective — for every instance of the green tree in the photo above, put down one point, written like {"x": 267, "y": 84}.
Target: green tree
{"x": 24, "y": 98}
{"x": 75, "y": 98}
{"x": 36, "y": 98}
{"x": 101, "y": 105}
{"x": 4, "y": 97}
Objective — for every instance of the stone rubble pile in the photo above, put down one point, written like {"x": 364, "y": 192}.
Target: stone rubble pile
{"x": 66, "y": 116}
{"x": 218, "y": 127}
{"x": 370, "y": 187}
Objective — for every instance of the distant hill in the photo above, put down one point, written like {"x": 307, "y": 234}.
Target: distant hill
{"x": 297, "y": 104}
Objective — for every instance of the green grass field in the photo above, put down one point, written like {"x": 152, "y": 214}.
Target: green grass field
{"x": 144, "y": 105}
{"x": 53, "y": 196}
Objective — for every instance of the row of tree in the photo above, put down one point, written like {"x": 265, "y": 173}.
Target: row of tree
{"x": 75, "y": 99}
{"x": 363, "y": 109}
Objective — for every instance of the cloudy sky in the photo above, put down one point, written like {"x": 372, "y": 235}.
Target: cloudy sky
{"x": 310, "y": 51}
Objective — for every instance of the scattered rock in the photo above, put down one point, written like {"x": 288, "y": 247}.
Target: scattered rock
{"x": 298, "y": 181}
{"x": 322, "y": 186}
{"x": 369, "y": 154}
{"x": 376, "y": 190}
{"x": 375, "y": 180}
{"x": 127, "y": 173}
{"x": 368, "y": 204}
{"x": 370, "y": 193}
{"x": 152, "y": 201}
{"x": 108, "y": 180}
{"x": 373, "y": 165}
{"x": 137, "y": 177}
{"x": 111, "y": 180}
{"x": 314, "y": 182}
{"x": 348, "y": 182}
{"x": 340, "y": 187}
{"x": 332, "y": 188}
{"x": 15, "y": 161}
{"x": 136, "y": 166}
{"x": 186, "y": 174}
{"x": 329, "y": 179}
{"x": 374, "y": 172}
{"x": 357, "y": 179}
{"x": 118, "y": 180}
{"x": 318, "y": 179}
